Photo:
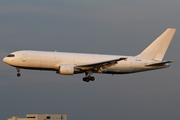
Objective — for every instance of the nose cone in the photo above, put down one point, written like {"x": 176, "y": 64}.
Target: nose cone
{"x": 5, "y": 59}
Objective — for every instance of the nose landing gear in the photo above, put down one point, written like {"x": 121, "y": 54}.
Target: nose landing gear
{"x": 18, "y": 70}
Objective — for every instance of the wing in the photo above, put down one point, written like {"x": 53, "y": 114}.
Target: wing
{"x": 98, "y": 65}
{"x": 160, "y": 63}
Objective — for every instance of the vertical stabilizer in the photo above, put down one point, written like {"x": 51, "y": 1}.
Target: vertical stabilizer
{"x": 157, "y": 49}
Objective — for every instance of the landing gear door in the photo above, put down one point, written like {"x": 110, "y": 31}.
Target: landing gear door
{"x": 24, "y": 57}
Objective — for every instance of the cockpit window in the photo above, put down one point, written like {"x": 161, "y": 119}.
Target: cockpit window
{"x": 11, "y": 55}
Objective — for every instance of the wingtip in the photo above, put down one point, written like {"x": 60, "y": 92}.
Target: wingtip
{"x": 172, "y": 61}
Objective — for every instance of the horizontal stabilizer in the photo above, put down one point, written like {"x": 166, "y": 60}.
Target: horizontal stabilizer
{"x": 160, "y": 63}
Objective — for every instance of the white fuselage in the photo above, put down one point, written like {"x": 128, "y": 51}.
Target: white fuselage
{"x": 72, "y": 63}
{"x": 41, "y": 60}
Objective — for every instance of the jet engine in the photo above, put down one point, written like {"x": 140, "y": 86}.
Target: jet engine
{"x": 68, "y": 70}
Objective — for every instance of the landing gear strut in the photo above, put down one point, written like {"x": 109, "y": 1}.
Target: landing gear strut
{"x": 18, "y": 70}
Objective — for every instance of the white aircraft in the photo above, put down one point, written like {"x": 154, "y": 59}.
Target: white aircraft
{"x": 72, "y": 63}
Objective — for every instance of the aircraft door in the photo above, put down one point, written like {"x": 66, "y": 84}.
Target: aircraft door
{"x": 24, "y": 57}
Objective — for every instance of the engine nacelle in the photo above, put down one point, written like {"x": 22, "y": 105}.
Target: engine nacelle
{"x": 66, "y": 70}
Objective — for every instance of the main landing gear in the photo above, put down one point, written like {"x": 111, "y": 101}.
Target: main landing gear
{"x": 18, "y": 70}
{"x": 89, "y": 78}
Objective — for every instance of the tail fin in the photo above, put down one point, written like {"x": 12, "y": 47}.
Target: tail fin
{"x": 157, "y": 49}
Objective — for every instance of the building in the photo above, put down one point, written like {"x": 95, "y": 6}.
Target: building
{"x": 41, "y": 117}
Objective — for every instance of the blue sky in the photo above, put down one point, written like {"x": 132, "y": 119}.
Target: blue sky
{"x": 98, "y": 26}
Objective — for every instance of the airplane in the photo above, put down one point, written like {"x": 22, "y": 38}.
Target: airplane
{"x": 73, "y": 63}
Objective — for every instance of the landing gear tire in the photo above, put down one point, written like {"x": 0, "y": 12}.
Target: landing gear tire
{"x": 92, "y": 78}
{"x": 18, "y": 74}
{"x": 86, "y": 79}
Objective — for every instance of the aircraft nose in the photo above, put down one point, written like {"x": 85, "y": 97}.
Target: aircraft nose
{"x": 5, "y": 60}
